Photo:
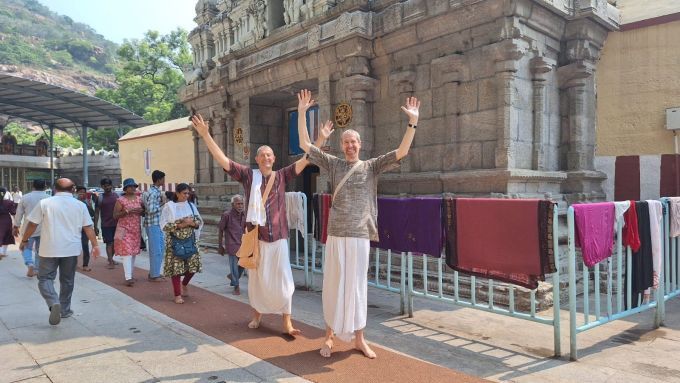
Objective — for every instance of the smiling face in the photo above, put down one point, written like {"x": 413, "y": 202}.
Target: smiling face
{"x": 351, "y": 145}
{"x": 265, "y": 158}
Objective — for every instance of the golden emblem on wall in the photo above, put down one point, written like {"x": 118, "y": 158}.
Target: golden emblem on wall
{"x": 343, "y": 115}
{"x": 238, "y": 136}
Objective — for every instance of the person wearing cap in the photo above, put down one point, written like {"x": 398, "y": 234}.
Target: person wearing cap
{"x": 103, "y": 214}
{"x": 128, "y": 211}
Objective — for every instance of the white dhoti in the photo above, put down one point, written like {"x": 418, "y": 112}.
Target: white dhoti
{"x": 345, "y": 285}
{"x": 271, "y": 285}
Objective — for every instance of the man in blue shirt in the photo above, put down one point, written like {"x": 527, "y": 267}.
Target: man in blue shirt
{"x": 153, "y": 200}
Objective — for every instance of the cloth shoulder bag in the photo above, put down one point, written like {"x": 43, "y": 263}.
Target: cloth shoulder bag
{"x": 249, "y": 252}
{"x": 185, "y": 248}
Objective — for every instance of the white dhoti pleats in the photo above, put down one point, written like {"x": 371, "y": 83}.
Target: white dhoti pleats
{"x": 271, "y": 285}
{"x": 345, "y": 285}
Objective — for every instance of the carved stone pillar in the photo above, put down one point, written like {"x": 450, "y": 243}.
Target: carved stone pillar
{"x": 574, "y": 79}
{"x": 359, "y": 90}
{"x": 507, "y": 115}
{"x": 540, "y": 68}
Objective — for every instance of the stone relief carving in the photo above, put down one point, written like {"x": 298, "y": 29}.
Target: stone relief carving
{"x": 292, "y": 11}
{"x": 257, "y": 10}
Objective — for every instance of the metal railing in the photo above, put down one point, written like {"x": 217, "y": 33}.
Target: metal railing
{"x": 613, "y": 307}
{"x": 489, "y": 304}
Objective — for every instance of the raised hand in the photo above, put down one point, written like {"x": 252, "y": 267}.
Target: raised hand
{"x": 200, "y": 125}
{"x": 305, "y": 100}
{"x": 411, "y": 109}
{"x": 326, "y": 130}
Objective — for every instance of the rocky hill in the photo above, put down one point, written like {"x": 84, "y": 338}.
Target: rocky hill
{"x": 39, "y": 44}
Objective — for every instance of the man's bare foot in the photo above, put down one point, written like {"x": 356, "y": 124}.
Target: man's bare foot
{"x": 185, "y": 290}
{"x": 237, "y": 291}
{"x": 363, "y": 347}
{"x": 327, "y": 348}
{"x": 179, "y": 300}
{"x": 290, "y": 330}
{"x": 255, "y": 323}
{"x": 29, "y": 272}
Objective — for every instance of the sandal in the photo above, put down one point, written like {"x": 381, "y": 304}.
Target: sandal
{"x": 86, "y": 268}
{"x": 179, "y": 300}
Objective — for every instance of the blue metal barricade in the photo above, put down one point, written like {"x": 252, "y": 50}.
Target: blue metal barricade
{"x": 671, "y": 256}
{"x": 614, "y": 306}
{"x": 438, "y": 294}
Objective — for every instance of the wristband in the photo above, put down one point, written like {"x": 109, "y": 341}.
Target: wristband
{"x": 24, "y": 241}
{"x": 412, "y": 126}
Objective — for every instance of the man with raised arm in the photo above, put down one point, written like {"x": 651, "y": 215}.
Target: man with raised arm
{"x": 271, "y": 285}
{"x": 351, "y": 226}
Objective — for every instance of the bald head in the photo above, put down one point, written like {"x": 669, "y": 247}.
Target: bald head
{"x": 63, "y": 185}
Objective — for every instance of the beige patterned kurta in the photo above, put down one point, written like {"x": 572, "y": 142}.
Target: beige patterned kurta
{"x": 174, "y": 265}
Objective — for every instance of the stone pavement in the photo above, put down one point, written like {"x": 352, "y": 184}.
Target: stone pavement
{"x": 110, "y": 331}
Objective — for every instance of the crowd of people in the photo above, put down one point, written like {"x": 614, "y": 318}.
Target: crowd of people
{"x": 54, "y": 231}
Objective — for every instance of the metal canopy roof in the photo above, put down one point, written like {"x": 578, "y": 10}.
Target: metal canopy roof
{"x": 59, "y": 107}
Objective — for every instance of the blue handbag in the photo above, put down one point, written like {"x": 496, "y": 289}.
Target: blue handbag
{"x": 185, "y": 248}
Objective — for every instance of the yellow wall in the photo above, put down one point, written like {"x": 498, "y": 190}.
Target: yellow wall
{"x": 172, "y": 153}
{"x": 638, "y": 77}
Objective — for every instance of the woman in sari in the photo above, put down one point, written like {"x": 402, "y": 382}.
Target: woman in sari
{"x": 180, "y": 220}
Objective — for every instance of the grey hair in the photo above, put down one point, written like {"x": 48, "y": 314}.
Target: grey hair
{"x": 351, "y": 131}
{"x": 263, "y": 147}
{"x": 235, "y": 197}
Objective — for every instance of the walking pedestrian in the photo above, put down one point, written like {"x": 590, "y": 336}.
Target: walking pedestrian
{"x": 63, "y": 219}
{"x": 153, "y": 201}
{"x": 181, "y": 221}
{"x": 7, "y": 209}
{"x": 31, "y": 252}
{"x": 103, "y": 216}
{"x": 229, "y": 235}
{"x": 128, "y": 211}
{"x": 81, "y": 195}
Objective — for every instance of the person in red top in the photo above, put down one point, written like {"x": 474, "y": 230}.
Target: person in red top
{"x": 271, "y": 285}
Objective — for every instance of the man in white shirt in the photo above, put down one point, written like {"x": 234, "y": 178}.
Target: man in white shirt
{"x": 63, "y": 218}
{"x": 16, "y": 194}
{"x": 27, "y": 204}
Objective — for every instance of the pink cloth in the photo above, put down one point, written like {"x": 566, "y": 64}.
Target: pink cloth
{"x": 595, "y": 231}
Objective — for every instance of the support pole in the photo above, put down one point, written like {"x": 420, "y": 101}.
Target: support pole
{"x": 51, "y": 155}
{"x": 85, "y": 161}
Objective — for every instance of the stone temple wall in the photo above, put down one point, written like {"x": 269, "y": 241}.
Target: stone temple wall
{"x": 507, "y": 89}
{"x": 507, "y": 86}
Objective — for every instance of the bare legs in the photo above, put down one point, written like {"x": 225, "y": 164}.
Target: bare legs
{"x": 359, "y": 344}
{"x": 287, "y": 323}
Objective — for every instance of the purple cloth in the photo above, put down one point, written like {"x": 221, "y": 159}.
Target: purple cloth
{"x": 595, "y": 231}
{"x": 410, "y": 224}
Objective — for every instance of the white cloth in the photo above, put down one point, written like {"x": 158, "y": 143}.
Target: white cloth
{"x": 620, "y": 207}
{"x": 63, "y": 218}
{"x": 257, "y": 215}
{"x": 172, "y": 211}
{"x": 675, "y": 216}
{"x": 345, "y": 285}
{"x": 128, "y": 262}
{"x": 271, "y": 285}
{"x": 655, "y": 217}
{"x": 16, "y": 196}
{"x": 295, "y": 211}
{"x": 26, "y": 206}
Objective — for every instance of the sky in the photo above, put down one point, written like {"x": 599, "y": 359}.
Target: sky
{"x": 117, "y": 20}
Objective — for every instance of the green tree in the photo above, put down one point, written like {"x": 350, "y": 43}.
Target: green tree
{"x": 151, "y": 75}
{"x": 26, "y": 137}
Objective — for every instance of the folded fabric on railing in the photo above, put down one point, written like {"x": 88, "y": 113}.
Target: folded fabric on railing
{"x": 295, "y": 211}
{"x": 410, "y": 224}
{"x": 675, "y": 216}
{"x": 321, "y": 204}
{"x": 631, "y": 236}
{"x": 594, "y": 231}
{"x": 655, "y": 218}
{"x": 509, "y": 240}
